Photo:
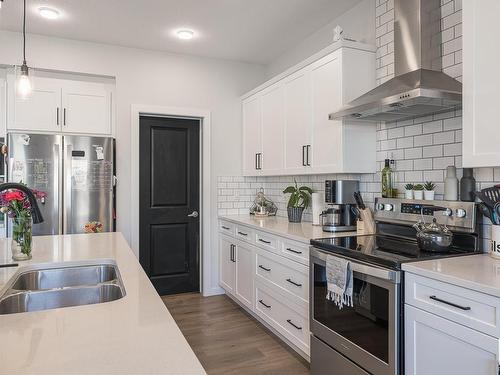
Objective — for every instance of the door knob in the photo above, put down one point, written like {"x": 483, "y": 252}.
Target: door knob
{"x": 193, "y": 214}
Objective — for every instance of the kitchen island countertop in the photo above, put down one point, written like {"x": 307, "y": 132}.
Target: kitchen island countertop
{"x": 133, "y": 335}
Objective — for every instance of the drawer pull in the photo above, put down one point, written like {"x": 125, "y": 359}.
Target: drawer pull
{"x": 293, "y": 251}
{"x": 243, "y": 234}
{"x": 263, "y": 304}
{"x": 226, "y": 228}
{"x": 264, "y": 268}
{"x": 264, "y": 241}
{"x": 293, "y": 282}
{"x": 289, "y": 321}
{"x": 465, "y": 308}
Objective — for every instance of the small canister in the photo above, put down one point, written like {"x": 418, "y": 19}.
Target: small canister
{"x": 495, "y": 241}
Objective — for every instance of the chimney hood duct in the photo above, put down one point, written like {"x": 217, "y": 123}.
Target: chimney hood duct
{"x": 419, "y": 87}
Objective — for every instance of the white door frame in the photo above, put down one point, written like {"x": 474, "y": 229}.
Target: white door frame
{"x": 204, "y": 117}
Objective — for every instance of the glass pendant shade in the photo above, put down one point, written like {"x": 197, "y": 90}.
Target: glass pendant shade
{"x": 24, "y": 81}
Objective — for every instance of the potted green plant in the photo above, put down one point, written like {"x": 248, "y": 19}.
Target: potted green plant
{"x": 418, "y": 191}
{"x": 429, "y": 191}
{"x": 409, "y": 191}
{"x": 300, "y": 198}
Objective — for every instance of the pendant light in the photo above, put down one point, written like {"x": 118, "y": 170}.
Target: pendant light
{"x": 24, "y": 86}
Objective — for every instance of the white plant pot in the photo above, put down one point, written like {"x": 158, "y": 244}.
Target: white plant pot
{"x": 495, "y": 241}
{"x": 429, "y": 195}
{"x": 418, "y": 194}
{"x": 408, "y": 194}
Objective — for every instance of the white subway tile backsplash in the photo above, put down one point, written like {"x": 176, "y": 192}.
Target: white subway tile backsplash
{"x": 413, "y": 153}
{"x": 432, "y": 151}
{"x": 453, "y": 149}
{"x": 443, "y": 138}
{"x": 422, "y": 164}
{"x": 405, "y": 142}
{"x": 432, "y": 127}
{"x": 443, "y": 163}
{"x": 423, "y": 140}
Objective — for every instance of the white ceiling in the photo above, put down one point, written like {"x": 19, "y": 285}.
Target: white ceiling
{"x": 256, "y": 31}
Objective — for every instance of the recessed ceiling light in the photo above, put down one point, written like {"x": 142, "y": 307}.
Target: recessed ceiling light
{"x": 49, "y": 13}
{"x": 185, "y": 34}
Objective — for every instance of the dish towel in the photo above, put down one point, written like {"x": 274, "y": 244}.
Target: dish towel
{"x": 339, "y": 281}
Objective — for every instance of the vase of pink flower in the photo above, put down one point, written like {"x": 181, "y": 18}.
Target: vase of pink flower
{"x": 16, "y": 205}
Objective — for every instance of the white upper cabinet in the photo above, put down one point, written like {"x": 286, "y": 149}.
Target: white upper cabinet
{"x": 252, "y": 135}
{"x": 86, "y": 108}
{"x": 273, "y": 119}
{"x": 296, "y": 134}
{"x": 298, "y": 122}
{"x": 481, "y": 138}
{"x": 327, "y": 97}
{"x": 41, "y": 111}
{"x": 61, "y": 105}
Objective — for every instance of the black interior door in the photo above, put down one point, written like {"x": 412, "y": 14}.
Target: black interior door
{"x": 169, "y": 191}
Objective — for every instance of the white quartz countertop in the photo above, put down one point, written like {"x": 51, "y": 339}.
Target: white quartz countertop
{"x": 133, "y": 335}
{"x": 302, "y": 232}
{"x": 477, "y": 272}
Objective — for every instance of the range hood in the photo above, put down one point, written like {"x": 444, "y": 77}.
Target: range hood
{"x": 419, "y": 88}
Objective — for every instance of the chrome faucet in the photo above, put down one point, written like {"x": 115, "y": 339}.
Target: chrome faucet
{"x": 36, "y": 215}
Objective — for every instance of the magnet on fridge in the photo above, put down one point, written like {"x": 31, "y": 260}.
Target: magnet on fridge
{"x": 99, "y": 150}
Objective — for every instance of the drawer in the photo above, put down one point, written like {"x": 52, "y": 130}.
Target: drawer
{"x": 226, "y": 227}
{"x": 290, "y": 277}
{"x": 289, "y": 320}
{"x": 244, "y": 233}
{"x": 465, "y": 306}
{"x": 267, "y": 241}
{"x": 296, "y": 251}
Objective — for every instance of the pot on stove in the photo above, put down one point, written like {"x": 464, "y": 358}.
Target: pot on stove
{"x": 433, "y": 237}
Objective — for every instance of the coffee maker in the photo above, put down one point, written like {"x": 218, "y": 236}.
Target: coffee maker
{"x": 340, "y": 216}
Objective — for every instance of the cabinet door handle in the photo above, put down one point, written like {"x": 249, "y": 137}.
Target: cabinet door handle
{"x": 289, "y": 321}
{"x": 465, "y": 308}
{"x": 243, "y": 234}
{"x": 256, "y": 161}
{"x": 64, "y": 116}
{"x": 234, "y": 253}
{"x": 264, "y": 268}
{"x": 259, "y": 161}
{"x": 263, "y": 304}
{"x": 293, "y": 251}
{"x": 264, "y": 241}
{"x": 308, "y": 149}
{"x": 224, "y": 227}
{"x": 304, "y": 156}
{"x": 293, "y": 282}
{"x": 231, "y": 253}
{"x": 57, "y": 115}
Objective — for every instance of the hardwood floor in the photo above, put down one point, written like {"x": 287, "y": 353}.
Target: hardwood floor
{"x": 229, "y": 341}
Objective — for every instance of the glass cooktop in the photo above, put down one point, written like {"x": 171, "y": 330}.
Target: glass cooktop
{"x": 390, "y": 251}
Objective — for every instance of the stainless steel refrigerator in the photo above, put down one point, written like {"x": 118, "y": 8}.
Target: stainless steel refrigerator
{"x": 76, "y": 172}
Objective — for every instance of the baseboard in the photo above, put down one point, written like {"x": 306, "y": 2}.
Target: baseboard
{"x": 215, "y": 291}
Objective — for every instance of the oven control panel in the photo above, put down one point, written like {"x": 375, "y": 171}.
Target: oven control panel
{"x": 460, "y": 215}
{"x": 415, "y": 208}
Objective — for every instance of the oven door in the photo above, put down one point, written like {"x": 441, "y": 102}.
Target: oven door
{"x": 368, "y": 332}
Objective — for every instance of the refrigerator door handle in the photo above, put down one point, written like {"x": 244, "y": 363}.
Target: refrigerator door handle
{"x": 67, "y": 187}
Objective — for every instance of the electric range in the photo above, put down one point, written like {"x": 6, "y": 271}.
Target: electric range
{"x": 367, "y": 337}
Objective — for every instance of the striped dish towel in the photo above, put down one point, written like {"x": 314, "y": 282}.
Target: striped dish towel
{"x": 339, "y": 281}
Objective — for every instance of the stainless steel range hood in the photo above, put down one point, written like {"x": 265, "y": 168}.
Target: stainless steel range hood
{"x": 420, "y": 88}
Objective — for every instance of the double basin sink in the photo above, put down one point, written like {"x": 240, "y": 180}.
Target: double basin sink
{"x": 54, "y": 287}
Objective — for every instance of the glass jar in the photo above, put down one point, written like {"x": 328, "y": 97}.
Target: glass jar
{"x": 22, "y": 236}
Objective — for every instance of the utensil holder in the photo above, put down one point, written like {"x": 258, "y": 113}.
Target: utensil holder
{"x": 495, "y": 241}
{"x": 368, "y": 221}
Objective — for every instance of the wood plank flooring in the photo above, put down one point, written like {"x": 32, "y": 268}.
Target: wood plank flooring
{"x": 229, "y": 341}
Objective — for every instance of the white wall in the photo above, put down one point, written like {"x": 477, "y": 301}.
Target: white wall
{"x": 358, "y": 23}
{"x": 153, "y": 78}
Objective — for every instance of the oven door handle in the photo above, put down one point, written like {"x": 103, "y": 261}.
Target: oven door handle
{"x": 362, "y": 268}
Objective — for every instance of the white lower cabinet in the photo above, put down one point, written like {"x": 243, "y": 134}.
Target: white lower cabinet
{"x": 227, "y": 271}
{"x": 271, "y": 284}
{"x": 437, "y": 346}
{"x": 244, "y": 256}
{"x": 449, "y": 329}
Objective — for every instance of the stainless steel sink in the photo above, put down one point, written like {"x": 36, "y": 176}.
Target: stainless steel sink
{"x": 63, "y": 286}
{"x": 65, "y": 277}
